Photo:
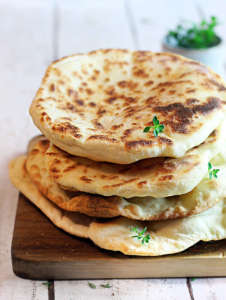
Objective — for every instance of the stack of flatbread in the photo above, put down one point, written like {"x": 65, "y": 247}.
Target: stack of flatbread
{"x": 133, "y": 151}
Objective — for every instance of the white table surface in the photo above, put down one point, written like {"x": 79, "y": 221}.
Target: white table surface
{"x": 32, "y": 34}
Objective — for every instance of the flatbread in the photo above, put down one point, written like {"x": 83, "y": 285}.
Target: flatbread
{"x": 67, "y": 200}
{"x": 73, "y": 223}
{"x": 155, "y": 177}
{"x": 205, "y": 195}
{"x": 166, "y": 237}
{"x": 97, "y": 105}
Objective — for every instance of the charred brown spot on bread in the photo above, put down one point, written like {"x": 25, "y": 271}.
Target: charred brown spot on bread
{"x": 96, "y": 72}
{"x": 69, "y": 106}
{"x": 70, "y": 92}
{"x": 149, "y": 82}
{"x": 112, "y": 177}
{"x": 138, "y": 143}
{"x": 102, "y": 138}
{"x": 44, "y": 116}
{"x": 111, "y": 100}
{"x": 190, "y": 91}
{"x": 52, "y": 87}
{"x": 124, "y": 182}
{"x": 84, "y": 83}
{"x": 79, "y": 102}
{"x": 172, "y": 92}
{"x": 69, "y": 168}
{"x": 179, "y": 116}
{"x": 110, "y": 91}
{"x": 92, "y": 104}
{"x": 131, "y": 85}
{"x": 211, "y": 104}
{"x": 56, "y": 161}
{"x": 66, "y": 127}
{"x": 127, "y": 132}
{"x": 53, "y": 169}
{"x": 142, "y": 56}
{"x": 89, "y": 91}
{"x": 122, "y": 84}
{"x": 151, "y": 100}
{"x": 44, "y": 145}
{"x": 73, "y": 94}
{"x": 85, "y": 179}
{"x": 166, "y": 178}
{"x": 167, "y": 84}
{"x": 97, "y": 124}
{"x": 101, "y": 111}
{"x": 132, "y": 110}
{"x": 219, "y": 86}
{"x": 115, "y": 127}
{"x": 141, "y": 183}
{"x": 140, "y": 73}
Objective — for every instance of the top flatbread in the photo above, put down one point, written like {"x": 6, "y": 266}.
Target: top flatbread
{"x": 97, "y": 105}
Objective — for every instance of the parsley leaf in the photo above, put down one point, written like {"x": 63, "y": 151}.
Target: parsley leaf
{"x": 212, "y": 172}
{"x": 92, "y": 285}
{"x": 106, "y": 286}
{"x": 157, "y": 127}
{"x": 193, "y": 278}
{"x": 140, "y": 235}
{"x": 195, "y": 36}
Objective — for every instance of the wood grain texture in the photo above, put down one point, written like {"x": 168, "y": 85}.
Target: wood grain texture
{"x": 42, "y": 251}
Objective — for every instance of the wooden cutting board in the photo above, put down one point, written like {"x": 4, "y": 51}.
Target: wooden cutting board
{"x": 42, "y": 251}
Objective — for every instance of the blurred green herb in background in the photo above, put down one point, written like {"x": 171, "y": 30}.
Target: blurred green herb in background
{"x": 194, "y": 36}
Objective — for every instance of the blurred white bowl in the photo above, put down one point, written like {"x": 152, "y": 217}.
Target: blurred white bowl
{"x": 212, "y": 57}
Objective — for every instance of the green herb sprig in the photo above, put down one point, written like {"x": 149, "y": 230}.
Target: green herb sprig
{"x": 195, "y": 36}
{"x": 141, "y": 235}
{"x": 92, "y": 285}
{"x": 106, "y": 286}
{"x": 212, "y": 172}
{"x": 157, "y": 127}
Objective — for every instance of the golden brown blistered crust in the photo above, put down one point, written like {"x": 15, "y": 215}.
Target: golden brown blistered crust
{"x": 156, "y": 177}
{"x": 92, "y": 205}
{"x": 108, "y": 207}
{"x": 163, "y": 170}
{"x": 115, "y": 111}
